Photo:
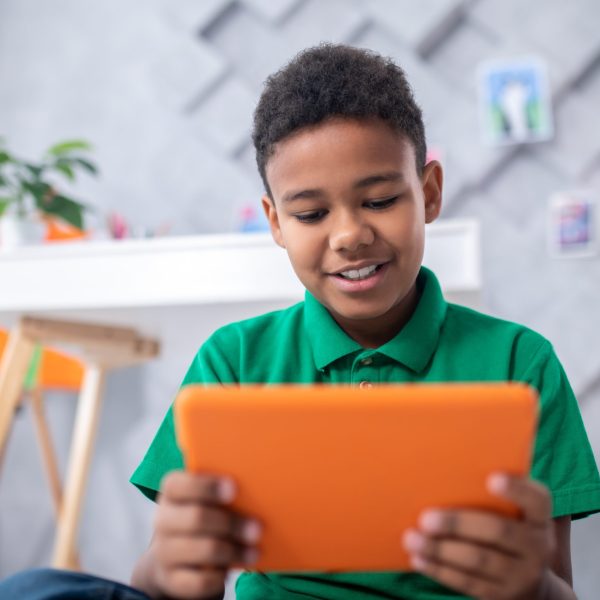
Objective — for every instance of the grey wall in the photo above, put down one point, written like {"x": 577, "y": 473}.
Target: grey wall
{"x": 165, "y": 91}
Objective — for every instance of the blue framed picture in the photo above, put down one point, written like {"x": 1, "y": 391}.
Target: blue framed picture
{"x": 515, "y": 101}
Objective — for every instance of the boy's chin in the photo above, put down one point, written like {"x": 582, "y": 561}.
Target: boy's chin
{"x": 358, "y": 311}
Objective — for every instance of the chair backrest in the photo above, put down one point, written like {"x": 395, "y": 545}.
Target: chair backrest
{"x": 57, "y": 370}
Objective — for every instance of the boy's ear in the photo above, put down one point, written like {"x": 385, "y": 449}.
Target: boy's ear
{"x": 432, "y": 181}
{"x": 271, "y": 213}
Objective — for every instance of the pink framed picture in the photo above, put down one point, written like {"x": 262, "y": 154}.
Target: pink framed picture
{"x": 573, "y": 224}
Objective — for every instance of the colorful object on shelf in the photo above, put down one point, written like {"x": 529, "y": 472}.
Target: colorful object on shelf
{"x": 117, "y": 226}
{"x": 252, "y": 220}
{"x": 59, "y": 231}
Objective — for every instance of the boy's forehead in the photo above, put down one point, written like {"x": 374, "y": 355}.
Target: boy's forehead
{"x": 339, "y": 149}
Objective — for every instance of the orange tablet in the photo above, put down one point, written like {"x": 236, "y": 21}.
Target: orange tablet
{"x": 336, "y": 474}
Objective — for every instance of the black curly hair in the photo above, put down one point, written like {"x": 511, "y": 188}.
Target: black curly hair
{"x": 332, "y": 80}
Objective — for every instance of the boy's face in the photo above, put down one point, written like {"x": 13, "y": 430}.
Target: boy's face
{"x": 350, "y": 208}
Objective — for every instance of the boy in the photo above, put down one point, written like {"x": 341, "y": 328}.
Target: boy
{"x": 341, "y": 150}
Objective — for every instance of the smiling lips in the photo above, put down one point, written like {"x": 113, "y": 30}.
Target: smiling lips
{"x": 359, "y": 280}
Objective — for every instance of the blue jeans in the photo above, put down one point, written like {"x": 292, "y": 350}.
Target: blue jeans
{"x": 50, "y": 584}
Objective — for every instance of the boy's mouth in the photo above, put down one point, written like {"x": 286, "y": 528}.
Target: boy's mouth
{"x": 359, "y": 274}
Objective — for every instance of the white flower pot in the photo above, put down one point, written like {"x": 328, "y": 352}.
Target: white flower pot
{"x": 16, "y": 232}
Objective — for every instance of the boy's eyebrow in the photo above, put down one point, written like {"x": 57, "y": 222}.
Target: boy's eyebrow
{"x": 361, "y": 183}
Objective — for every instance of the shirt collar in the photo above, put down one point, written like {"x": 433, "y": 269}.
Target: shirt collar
{"x": 413, "y": 346}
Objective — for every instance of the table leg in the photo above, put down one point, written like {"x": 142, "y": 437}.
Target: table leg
{"x": 86, "y": 422}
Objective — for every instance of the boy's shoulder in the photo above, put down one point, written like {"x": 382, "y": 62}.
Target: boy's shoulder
{"x": 472, "y": 325}
{"x": 274, "y": 324}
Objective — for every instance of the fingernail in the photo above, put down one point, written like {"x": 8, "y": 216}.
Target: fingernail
{"x": 251, "y": 531}
{"x": 431, "y": 521}
{"x": 414, "y": 541}
{"x": 250, "y": 556}
{"x": 497, "y": 483}
{"x": 226, "y": 490}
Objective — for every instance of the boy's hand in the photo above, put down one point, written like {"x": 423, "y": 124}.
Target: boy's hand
{"x": 197, "y": 537}
{"x": 488, "y": 556}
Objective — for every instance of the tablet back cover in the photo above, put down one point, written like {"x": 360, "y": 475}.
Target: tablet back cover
{"x": 336, "y": 474}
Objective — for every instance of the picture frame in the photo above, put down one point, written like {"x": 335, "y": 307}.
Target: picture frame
{"x": 515, "y": 101}
{"x": 573, "y": 224}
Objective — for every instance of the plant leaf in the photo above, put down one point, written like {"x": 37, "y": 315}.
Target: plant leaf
{"x": 5, "y": 157}
{"x": 35, "y": 170}
{"x": 86, "y": 165}
{"x": 65, "y": 168}
{"x": 40, "y": 191}
{"x": 66, "y": 209}
{"x": 4, "y": 204}
{"x": 68, "y": 146}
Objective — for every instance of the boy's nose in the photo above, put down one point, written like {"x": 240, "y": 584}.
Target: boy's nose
{"x": 350, "y": 234}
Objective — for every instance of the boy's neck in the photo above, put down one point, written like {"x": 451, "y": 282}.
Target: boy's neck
{"x": 373, "y": 333}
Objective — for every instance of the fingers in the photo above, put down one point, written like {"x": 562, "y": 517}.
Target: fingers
{"x": 476, "y": 527}
{"x": 505, "y": 533}
{"x": 470, "y": 584}
{"x": 201, "y": 552}
{"x": 198, "y": 536}
{"x": 532, "y": 497}
{"x": 198, "y": 519}
{"x": 181, "y": 487}
{"x": 487, "y": 563}
{"x": 483, "y": 554}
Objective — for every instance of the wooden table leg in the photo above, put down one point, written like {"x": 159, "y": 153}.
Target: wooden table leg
{"x": 46, "y": 448}
{"x": 13, "y": 369}
{"x": 49, "y": 459}
{"x": 86, "y": 422}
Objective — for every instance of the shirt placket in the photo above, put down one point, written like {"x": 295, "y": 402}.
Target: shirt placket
{"x": 365, "y": 373}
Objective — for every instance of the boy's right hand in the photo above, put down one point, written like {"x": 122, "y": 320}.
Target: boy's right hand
{"x": 197, "y": 537}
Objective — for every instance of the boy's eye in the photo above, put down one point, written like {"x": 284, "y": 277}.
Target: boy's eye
{"x": 310, "y": 217}
{"x": 380, "y": 204}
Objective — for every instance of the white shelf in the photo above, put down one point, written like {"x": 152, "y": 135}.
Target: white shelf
{"x": 186, "y": 271}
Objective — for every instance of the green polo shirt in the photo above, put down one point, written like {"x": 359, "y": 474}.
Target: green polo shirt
{"x": 441, "y": 342}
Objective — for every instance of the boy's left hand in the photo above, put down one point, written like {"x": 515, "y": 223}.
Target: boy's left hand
{"x": 485, "y": 555}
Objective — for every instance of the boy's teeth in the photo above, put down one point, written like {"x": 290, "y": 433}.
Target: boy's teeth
{"x": 360, "y": 273}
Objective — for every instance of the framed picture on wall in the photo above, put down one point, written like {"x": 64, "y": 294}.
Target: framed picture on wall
{"x": 515, "y": 101}
{"x": 573, "y": 224}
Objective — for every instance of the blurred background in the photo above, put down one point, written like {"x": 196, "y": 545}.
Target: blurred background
{"x": 165, "y": 90}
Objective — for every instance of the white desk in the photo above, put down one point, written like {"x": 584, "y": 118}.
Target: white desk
{"x": 105, "y": 280}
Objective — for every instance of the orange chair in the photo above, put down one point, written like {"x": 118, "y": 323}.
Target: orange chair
{"x": 49, "y": 370}
{"x": 27, "y": 365}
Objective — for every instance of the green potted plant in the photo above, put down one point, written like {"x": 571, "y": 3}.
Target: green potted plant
{"x": 29, "y": 194}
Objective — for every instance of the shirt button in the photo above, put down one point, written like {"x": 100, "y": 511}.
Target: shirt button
{"x": 367, "y": 361}
{"x": 365, "y": 385}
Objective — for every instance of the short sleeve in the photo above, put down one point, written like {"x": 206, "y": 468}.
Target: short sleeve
{"x": 563, "y": 459}
{"x": 210, "y": 366}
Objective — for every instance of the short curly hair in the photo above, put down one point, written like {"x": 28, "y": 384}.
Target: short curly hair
{"x": 335, "y": 80}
